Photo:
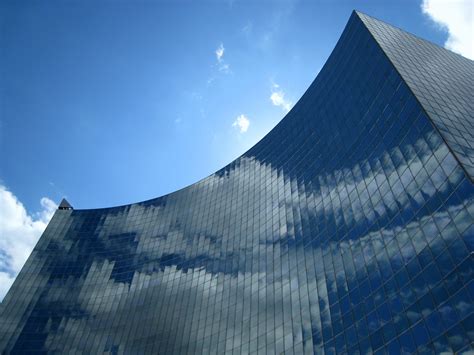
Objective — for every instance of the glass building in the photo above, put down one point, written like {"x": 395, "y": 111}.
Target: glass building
{"x": 349, "y": 228}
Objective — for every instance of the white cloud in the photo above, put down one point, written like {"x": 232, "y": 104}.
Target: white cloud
{"x": 20, "y": 232}
{"x": 220, "y": 53}
{"x": 242, "y": 123}
{"x": 456, "y": 16}
{"x": 278, "y": 98}
{"x": 222, "y": 66}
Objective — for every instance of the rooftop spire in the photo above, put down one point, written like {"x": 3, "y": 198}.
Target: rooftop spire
{"x": 65, "y": 205}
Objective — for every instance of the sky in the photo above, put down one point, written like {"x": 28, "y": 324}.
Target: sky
{"x": 113, "y": 102}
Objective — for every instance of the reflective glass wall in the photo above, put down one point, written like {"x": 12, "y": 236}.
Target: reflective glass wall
{"x": 347, "y": 229}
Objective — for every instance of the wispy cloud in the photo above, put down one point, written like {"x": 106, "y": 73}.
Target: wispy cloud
{"x": 220, "y": 52}
{"x": 19, "y": 233}
{"x": 247, "y": 29}
{"x": 242, "y": 123}
{"x": 210, "y": 80}
{"x": 222, "y": 66}
{"x": 278, "y": 98}
{"x": 456, "y": 17}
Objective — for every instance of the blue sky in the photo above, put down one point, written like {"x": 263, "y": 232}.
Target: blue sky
{"x": 114, "y": 102}
{"x": 118, "y": 102}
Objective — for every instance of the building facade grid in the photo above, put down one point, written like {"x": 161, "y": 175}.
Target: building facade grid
{"x": 349, "y": 228}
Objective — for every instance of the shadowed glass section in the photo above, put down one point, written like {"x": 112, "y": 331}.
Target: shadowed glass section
{"x": 348, "y": 229}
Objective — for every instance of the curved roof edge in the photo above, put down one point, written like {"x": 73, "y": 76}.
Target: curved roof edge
{"x": 285, "y": 117}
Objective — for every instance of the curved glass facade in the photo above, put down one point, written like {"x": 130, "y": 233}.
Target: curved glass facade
{"x": 347, "y": 229}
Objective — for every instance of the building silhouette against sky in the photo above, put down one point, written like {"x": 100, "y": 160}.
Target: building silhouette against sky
{"x": 347, "y": 229}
